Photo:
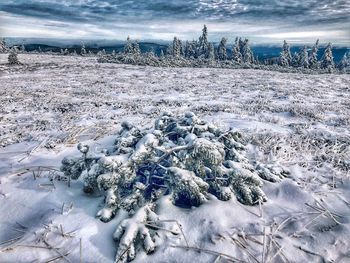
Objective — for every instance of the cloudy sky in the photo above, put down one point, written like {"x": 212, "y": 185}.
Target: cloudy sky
{"x": 267, "y": 21}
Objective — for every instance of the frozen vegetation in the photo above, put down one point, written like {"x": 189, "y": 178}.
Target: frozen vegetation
{"x": 216, "y": 165}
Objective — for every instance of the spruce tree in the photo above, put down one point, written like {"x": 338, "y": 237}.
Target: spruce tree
{"x": 345, "y": 62}
{"x": 177, "y": 49}
{"x": 128, "y": 48}
{"x": 327, "y": 61}
{"x": 247, "y": 53}
{"x": 169, "y": 49}
{"x": 295, "y": 60}
{"x": 83, "y": 50}
{"x": 12, "y": 58}
{"x": 303, "y": 58}
{"x": 203, "y": 44}
{"x": 313, "y": 61}
{"x": 190, "y": 49}
{"x": 136, "y": 49}
{"x": 285, "y": 55}
{"x": 211, "y": 53}
{"x": 222, "y": 52}
{"x": 236, "y": 53}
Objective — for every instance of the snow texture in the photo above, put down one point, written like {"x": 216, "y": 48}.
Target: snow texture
{"x": 50, "y": 104}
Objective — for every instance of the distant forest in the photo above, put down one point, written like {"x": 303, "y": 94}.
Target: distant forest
{"x": 202, "y": 53}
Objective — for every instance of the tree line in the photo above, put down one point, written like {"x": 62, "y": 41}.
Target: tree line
{"x": 202, "y": 53}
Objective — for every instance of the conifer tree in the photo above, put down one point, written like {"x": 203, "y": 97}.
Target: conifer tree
{"x": 83, "y": 50}
{"x": 136, "y": 49}
{"x": 285, "y": 55}
{"x": 203, "y": 44}
{"x": 295, "y": 60}
{"x": 176, "y": 49}
{"x": 327, "y": 61}
{"x": 190, "y": 49}
{"x": 313, "y": 61}
{"x": 12, "y": 58}
{"x": 211, "y": 53}
{"x": 247, "y": 53}
{"x": 236, "y": 53}
{"x": 303, "y": 58}
{"x": 345, "y": 62}
{"x": 222, "y": 52}
{"x": 128, "y": 48}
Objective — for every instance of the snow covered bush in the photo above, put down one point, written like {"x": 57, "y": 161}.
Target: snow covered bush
{"x": 12, "y": 58}
{"x": 185, "y": 157}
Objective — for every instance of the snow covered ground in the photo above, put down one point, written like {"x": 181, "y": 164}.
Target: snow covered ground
{"x": 50, "y": 103}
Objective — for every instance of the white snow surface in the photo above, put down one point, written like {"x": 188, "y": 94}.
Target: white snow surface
{"x": 50, "y": 103}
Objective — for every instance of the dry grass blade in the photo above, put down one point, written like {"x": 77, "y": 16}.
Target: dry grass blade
{"x": 12, "y": 240}
{"x": 57, "y": 251}
{"x": 57, "y": 258}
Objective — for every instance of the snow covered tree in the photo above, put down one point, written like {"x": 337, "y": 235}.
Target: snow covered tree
{"x": 285, "y": 55}
{"x": 128, "y": 48}
{"x": 345, "y": 62}
{"x": 3, "y": 47}
{"x": 327, "y": 61}
{"x": 247, "y": 53}
{"x": 211, "y": 53}
{"x": 177, "y": 47}
{"x": 236, "y": 52}
{"x": 203, "y": 44}
{"x": 39, "y": 49}
{"x": 190, "y": 49}
{"x": 136, "y": 49}
{"x": 83, "y": 50}
{"x": 295, "y": 60}
{"x": 303, "y": 58}
{"x": 313, "y": 61}
{"x": 185, "y": 155}
{"x": 12, "y": 57}
{"x": 222, "y": 52}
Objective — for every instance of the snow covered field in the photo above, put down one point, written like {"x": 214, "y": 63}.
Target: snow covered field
{"x": 50, "y": 103}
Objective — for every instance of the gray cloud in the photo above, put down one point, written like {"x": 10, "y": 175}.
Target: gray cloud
{"x": 141, "y": 17}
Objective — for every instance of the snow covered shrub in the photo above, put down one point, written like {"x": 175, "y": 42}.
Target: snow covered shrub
{"x": 185, "y": 157}
{"x": 12, "y": 58}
